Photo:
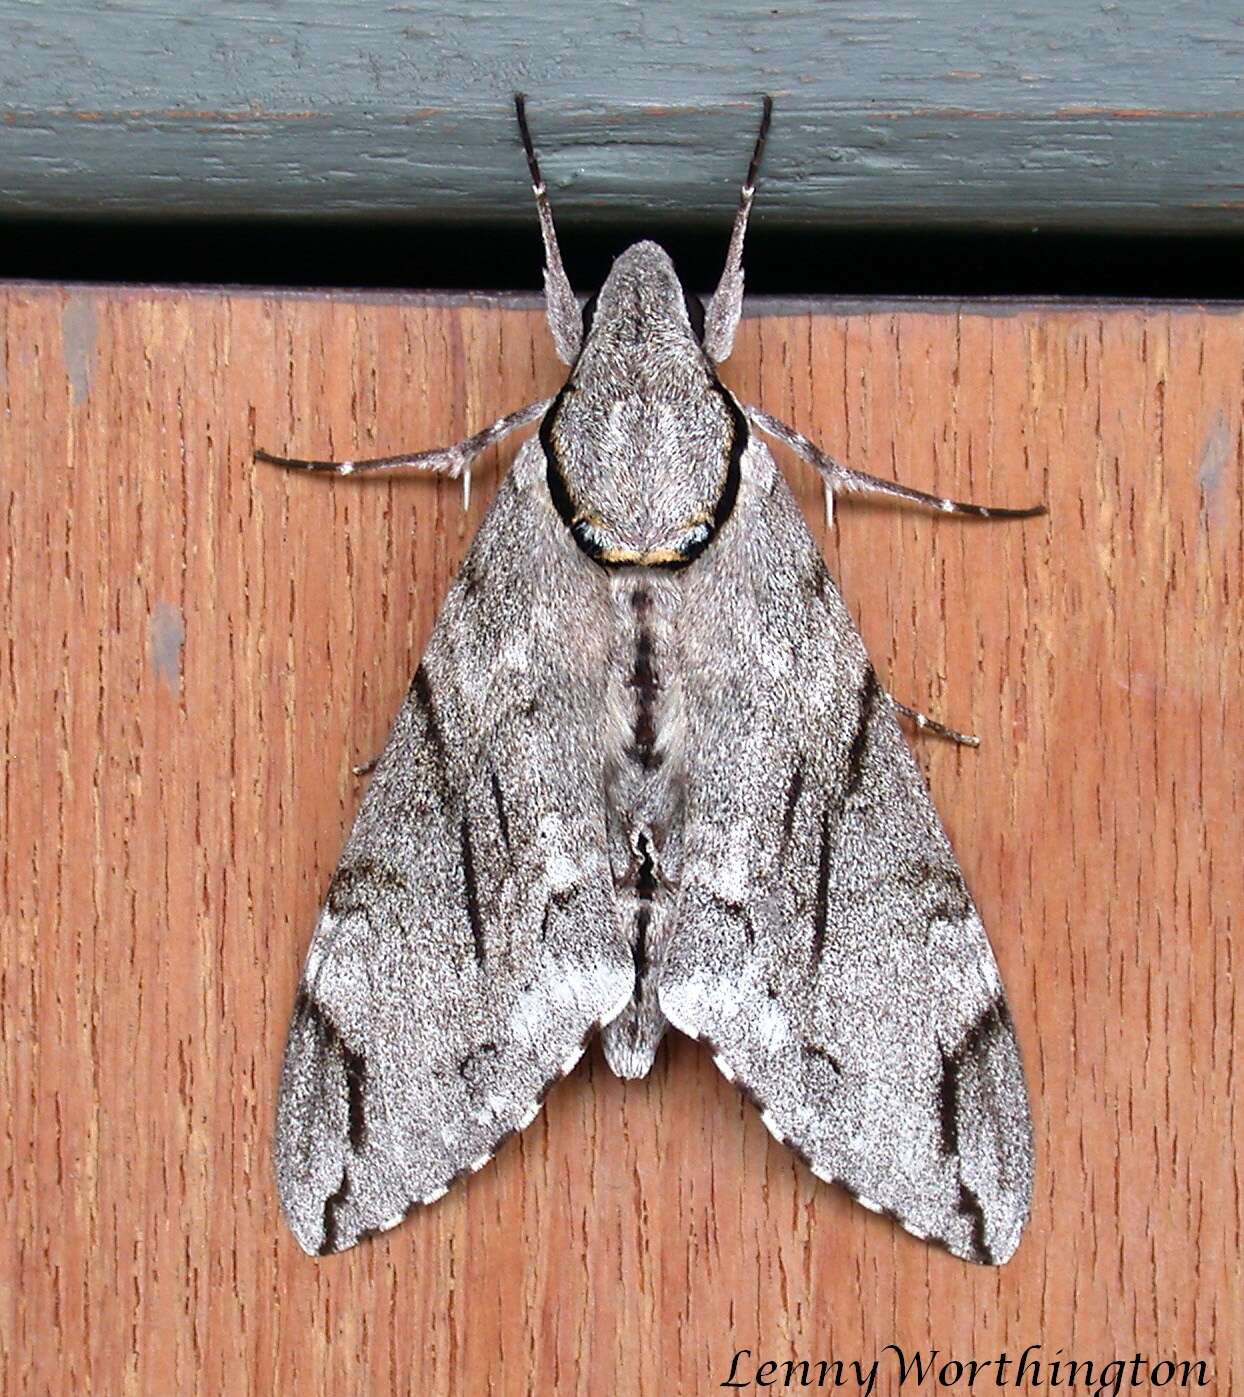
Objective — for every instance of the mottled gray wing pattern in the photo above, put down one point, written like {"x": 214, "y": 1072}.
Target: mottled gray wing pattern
{"x": 469, "y": 943}
{"x": 826, "y": 945}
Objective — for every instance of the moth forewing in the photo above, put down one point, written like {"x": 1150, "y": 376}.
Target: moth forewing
{"x": 646, "y": 774}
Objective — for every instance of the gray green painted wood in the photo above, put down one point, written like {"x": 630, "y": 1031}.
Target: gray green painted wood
{"x": 970, "y": 113}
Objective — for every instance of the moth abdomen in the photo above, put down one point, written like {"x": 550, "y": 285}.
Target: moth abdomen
{"x": 642, "y": 792}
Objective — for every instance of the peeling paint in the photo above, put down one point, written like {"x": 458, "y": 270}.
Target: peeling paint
{"x": 168, "y": 637}
{"x": 1214, "y": 457}
{"x": 79, "y": 332}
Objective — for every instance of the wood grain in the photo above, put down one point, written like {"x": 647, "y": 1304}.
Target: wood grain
{"x": 196, "y": 650}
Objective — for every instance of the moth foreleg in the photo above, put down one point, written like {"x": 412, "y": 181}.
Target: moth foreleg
{"x": 927, "y": 724}
{"x": 840, "y": 479}
{"x": 455, "y": 461}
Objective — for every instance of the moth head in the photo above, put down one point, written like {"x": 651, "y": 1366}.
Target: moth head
{"x": 643, "y": 302}
{"x": 643, "y": 443}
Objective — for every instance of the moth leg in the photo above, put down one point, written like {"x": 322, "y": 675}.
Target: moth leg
{"x": 840, "y": 479}
{"x": 455, "y": 461}
{"x": 927, "y": 724}
{"x": 721, "y": 319}
{"x": 565, "y": 319}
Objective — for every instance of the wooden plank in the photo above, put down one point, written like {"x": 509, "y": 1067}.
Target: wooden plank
{"x": 891, "y": 113}
{"x": 196, "y": 650}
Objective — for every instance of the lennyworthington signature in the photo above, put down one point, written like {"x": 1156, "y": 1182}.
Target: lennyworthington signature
{"x": 931, "y": 1370}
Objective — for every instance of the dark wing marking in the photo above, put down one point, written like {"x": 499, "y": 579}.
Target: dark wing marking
{"x": 468, "y": 946}
{"x": 859, "y": 1003}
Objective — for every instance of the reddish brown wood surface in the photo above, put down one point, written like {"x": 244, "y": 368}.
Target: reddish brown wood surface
{"x": 196, "y": 650}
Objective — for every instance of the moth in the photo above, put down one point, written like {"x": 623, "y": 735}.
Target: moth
{"x": 645, "y": 775}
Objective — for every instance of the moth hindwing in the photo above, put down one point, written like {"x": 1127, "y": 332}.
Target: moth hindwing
{"x": 646, "y": 775}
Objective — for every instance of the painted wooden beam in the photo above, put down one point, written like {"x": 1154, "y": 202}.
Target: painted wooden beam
{"x": 955, "y": 113}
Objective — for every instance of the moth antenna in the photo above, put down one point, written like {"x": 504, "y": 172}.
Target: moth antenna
{"x": 563, "y": 310}
{"x": 722, "y": 318}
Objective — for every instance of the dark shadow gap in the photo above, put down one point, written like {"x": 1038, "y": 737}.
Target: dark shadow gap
{"x": 831, "y": 262}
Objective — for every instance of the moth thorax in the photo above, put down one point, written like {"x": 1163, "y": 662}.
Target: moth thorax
{"x": 644, "y": 472}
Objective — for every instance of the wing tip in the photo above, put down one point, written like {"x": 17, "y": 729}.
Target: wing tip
{"x": 324, "y": 1240}
{"x": 990, "y": 1240}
